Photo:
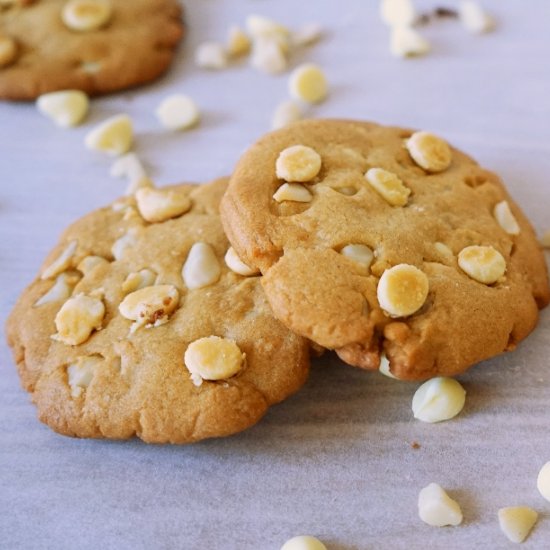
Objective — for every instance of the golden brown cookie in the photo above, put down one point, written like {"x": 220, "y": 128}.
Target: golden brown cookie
{"x": 49, "y": 45}
{"x": 379, "y": 240}
{"x": 109, "y": 337}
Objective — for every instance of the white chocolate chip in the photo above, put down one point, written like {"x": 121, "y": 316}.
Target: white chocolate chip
{"x": 8, "y": 50}
{"x": 388, "y": 186}
{"x": 268, "y": 56}
{"x": 158, "y": 205}
{"x": 437, "y": 508}
{"x": 543, "y": 481}
{"x": 516, "y": 522}
{"x": 402, "y": 290}
{"x": 298, "y": 163}
{"x": 211, "y": 55}
{"x": 306, "y": 35}
{"x": 359, "y": 253}
{"x": 139, "y": 279}
{"x": 201, "y": 268}
{"x": 78, "y": 317}
{"x": 213, "y": 358}
{"x": 81, "y": 372}
{"x": 545, "y": 239}
{"x": 398, "y": 13}
{"x": 484, "y": 264}
{"x": 234, "y": 263}
{"x": 66, "y": 108}
{"x": 406, "y": 42}
{"x": 86, "y": 15}
{"x": 292, "y": 192}
{"x": 59, "y": 291}
{"x": 150, "y": 306}
{"x": 259, "y": 26}
{"x": 128, "y": 240}
{"x": 130, "y": 167}
{"x": 113, "y": 136}
{"x": 238, "y": 42}
{"x": 89, "y": 263}
{"x": 62, "y": 262}
{"x": 505, "y": 218}
{"x": 286, "y": 113}
{"x": 178, "y": 112}
{"x": 429, "y": 152}
{"x": 438, "y": 399}
{"x": 308, "y": 83}
{"x": 303, "y": 542}
{"x": 474, "y": 18}
{"x": 384, "y": 367}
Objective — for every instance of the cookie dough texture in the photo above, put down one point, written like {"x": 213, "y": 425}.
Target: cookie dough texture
{"x": 136, "y": 383}
{"x": 136, "y": 46}
{"x": 332, "y": 299}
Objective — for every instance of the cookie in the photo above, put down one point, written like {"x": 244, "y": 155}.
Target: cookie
{"x": 375, "y": 240}
{"x": 141, "y": 328}
{"x": 97, "y": 46}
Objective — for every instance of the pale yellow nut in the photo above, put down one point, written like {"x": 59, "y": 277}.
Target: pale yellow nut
{"x": 86, "y": 15}
{"x": 406, "y": 42}
{"x": 129, "y": 166}
{"x": 213, "y": 358}
{"x": 438, "y": 399}
{"x": 388, "y": 186}
{"x": 201, "y": 268}
{"x": 543, "y": 481}
{"x": 89, "y": 263}
{"x": 238, "y": 42}
{"x": 113, "y": 136}
{"x": 402, "y": 290}
{"x": 306, "y": 35}
{"x": 78, "y": 317}
{"x": 545, "y": 239}
{"x": 62, "y": 262}
{"x": 66, "y": 108}
{"x": 443, "y": 249}
{"x": 292, "y": 192}
{"x": 234, "y": 263}
{"x": 211, "y": 55}
{"x": 8, "y": 50}
{"x": 139, "y": 279}
{"x": 398, "y": 13}
{"x": 80, "y": 373}
{"x": 516, "y": 522}
{"x": 60, "y": 291}
{"x": 474, "y": 18}
{"x": 359, "y": 253}
{"x": 178, "y": 112}
{"x": 298, "y": 163}
{"x": 123, "y": 244}
{"x": 259, "y": 26}
{"x": 286, "y": 113}
{"x": 437, "y": 508}
{"x": 303, "y": 542}
{"x": 430, "y": 152}
{"x": 150, "y": 306}
{"x": 484, "y": 264}
{"x": 158, "y": 205}
{"x": 268, "y": 56}
{"x": 308, "y": 83}
{"x": 505, "y": 218}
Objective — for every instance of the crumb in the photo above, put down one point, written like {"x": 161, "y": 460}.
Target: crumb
{"x": 415, "y": 445}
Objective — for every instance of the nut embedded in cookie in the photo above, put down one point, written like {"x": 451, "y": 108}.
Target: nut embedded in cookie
{"x": 78, "y": 318}
{"x": 86, "y": 15}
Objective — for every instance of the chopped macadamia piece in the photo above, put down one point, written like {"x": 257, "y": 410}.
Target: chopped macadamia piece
{"x": 474, "y": 18}
{"x": 443, "y": 249}
{"x": 113, "y": 136}
{"x": 86, "y": 15}
{"x": 398, "y": 13}
{"x": 139, "y": 279}
{"x": 505, "y": 218}
{"x": 78, "y": 317}
{"x": 402, "y": 290}
{"x": 238, "y": 42}
{"x": 211, "y": 55}
{"x": 430, "y": 152}
{"x": 406, "y": 42}
{"x": 388, "y": 186}
{"x": 81, "y": 372}
{"x": 286, "y": 113}
{"x": 268, "y": 56}
{"x": 158, "y": 205}
{"x": 384, "y": 367}
{"x": 308, "y": 83}
{"x": 438, "y": 399}
{"x": 307, "y": 34}
{"x": 298, "y": 163}
{"x": 234, "y": 263}
{"x": 292, "y": 192}
{"x": 303, "y": 542}
{"x": 484, "y": 264}
{"x": 261, "y": 27}
{"x": 178, "y": 112}
{"x": 60, "y": 290}
{"x": 543, "y": 481}
{"x": 66, "y": 108}
{"x": 8, "y": 51}
{"x": 130, "y": 167}
{"x": 201, "y": 268}
{"x": 89, "y": 263}
{"x": 437, "y": 508}
{"x": 62, "y": 262}
{"x": 359, "y": 253}
{"x": 516, "y": 522}
{"x": 124, "y": 243}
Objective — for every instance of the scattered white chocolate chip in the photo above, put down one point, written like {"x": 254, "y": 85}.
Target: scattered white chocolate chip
{"x": 178, "y": 112}
{"x": 407, "y": 42}
{"x": 388, "y": 186}
{"x": 213, "y": 358}
{"x": 505, "y": 218}
{"x": 113, "y": 136}
{"x": 402, "y": 290}
{"x": 545, "y": 239}
{"x": 286, "y": 113}
{"x": 238, "y": 42}
{"x": 259, "y": 26}
{"x": 139, "y": 279}
{"x": 234, "y": 263}
{"x": 474, "y": 17}
{"x": 211, "y": 55}
{"x": 268, "y": 56}
{"x": 86, "y": 15}
{"x": 437, "y": 508}
{"x": 201, "y": 268}
{"x": 128, "y": 240}
{"x": 292, "y": 192}
{"x": 78, "y": 317}
{"x": 62, "y": 262}
{"x": 66, "y": 108}
{"x": 8, "y": 50}
{"x": 308, "y": 83}
{"x": 306, "y": 35}
{"x": 130, "y": 167}
{"x": 429, "y": 152}
{"x": 384, "y": 367}
{"x": 543, "y": 481}
{"x": 482, "y": 263}
{"x": 158, "y": 205}
{"x": 81, "y": 372}
{"x": 59, "y": 291}
{"x": 359, "y": 253}
{"x": 89, "y": 263}
{"x": 398, "y": 13}
{"x": 298, "y": 163}
{"x": 303, "y": 542}
{"x": 149, "y": 306}
{"x": 516, "y": 522}
{"x": 438, "y": 399}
